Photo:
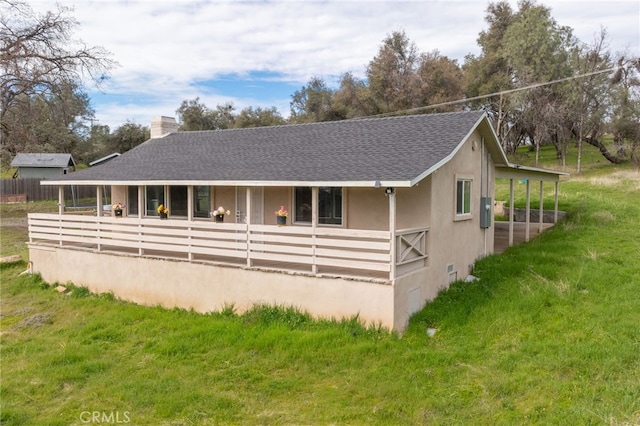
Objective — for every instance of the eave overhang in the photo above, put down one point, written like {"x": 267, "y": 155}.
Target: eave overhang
{"x": 344, "y": 184}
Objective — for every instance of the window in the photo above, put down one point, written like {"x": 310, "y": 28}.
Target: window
{"x": 303, "y": 204}
{"x": 132, "y": 200}
{"x": 329, "y": 205}
{"x": 178, "y": 201}
{"x": 154, "y": 197}
{"x": 201, "y": 201}
{"x": 463, "y": 197}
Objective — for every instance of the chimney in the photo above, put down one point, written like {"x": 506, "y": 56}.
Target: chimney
{"x": 162, "y": 126}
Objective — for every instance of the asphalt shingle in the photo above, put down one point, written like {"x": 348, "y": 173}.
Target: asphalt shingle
{"x": 387, "y": 149}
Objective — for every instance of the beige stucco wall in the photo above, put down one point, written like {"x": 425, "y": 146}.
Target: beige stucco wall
{"x": 206, "y": 287}
{"x": 367, "y": 208}
{"x": 274, "y": 197}
{"x": 452, "y": 242}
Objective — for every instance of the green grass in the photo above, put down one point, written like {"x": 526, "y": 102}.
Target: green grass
{"x": 14, "y": 232}
{"x": 549, "y": 335}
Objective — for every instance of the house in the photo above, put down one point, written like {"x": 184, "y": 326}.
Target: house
{"x": 383, "y": 214}
{"x": 43, "y": 165}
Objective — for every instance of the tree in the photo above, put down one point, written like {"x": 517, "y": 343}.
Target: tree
{"x": 536, "y": 50}
{"x": 95, "y": 146}
{"x": 490, "y": 73}
{"x": 39, "y": 58}
{"x": 625, "y": 113}
{"x": 128, "y": 136}
{"x": 392, "y": 77}
{"x": 46, "y": 122}
{"x": 441, "y": 80}
{"x": 258, "y": 117}
{"x": 194, "y": 115}
{"x": 587, "y": 97}
{"x": 353, "y": 98}
{"x": 313, "y": 103}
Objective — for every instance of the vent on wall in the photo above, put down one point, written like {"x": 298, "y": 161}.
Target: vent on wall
{"x": 453, "y": 275}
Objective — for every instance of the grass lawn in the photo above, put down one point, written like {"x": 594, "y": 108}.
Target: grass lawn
{"x": 549, "y": 335}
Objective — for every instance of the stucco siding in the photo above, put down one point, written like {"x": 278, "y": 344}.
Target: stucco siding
{"x": 458, "y": 243}
{"x": 206, "y": 287}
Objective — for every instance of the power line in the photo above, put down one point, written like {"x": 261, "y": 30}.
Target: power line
{"x": 503, "y": 92}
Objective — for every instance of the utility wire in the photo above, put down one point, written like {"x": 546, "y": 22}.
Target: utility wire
{"x": 503, "y": 92}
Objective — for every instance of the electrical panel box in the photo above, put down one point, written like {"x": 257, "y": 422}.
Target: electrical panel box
{"x": 486, "y": 212}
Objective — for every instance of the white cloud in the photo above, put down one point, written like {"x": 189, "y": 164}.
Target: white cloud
{"x": 166, "y": 48}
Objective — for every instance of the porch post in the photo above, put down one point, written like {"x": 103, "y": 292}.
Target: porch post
{"x": 392, "y": 233}
{"x": 314, "y": 225}
{"x": 190, "y": 203}
{"x": 541, "y": 218}
{"x": 60, "y": 210}
{"x": 142, "y": 208}
{"x": 555, "y": 209}
{"x": 528, "y": 211}
{"x": 190, "y": 217}
{"x": 248, "y": 219}
{"x": 511, "y": 211}
{"x": 60, "y": 199}
{"x": 99, "y": 201}
{"x": 98, "y": 211}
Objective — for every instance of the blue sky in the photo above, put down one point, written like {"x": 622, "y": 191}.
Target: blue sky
{"x": 258, "y": 53}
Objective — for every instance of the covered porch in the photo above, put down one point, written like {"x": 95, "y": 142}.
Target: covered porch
{"x": 509, "y": 233}
{"x": 322, "y": 251}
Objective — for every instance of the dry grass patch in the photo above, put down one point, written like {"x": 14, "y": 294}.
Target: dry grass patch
{"x": 604, "y": 217}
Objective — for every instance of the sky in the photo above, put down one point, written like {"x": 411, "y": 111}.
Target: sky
{"x": 258, "y": 53}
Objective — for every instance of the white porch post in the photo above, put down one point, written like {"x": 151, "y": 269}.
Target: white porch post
{"x": 314, "y": 225}
{"x": 248, "y": 220}
{"x": 142, "y": 207}
{"x": 60, "y": 210}
{"x": 392, "y": 233}
{"x": 99, "y": 212}
{"x": 541, "y": 218}
{"x": 555, "y": 209}
{"x": 528, "y": 211}
{"x": 99, "y": 201}
{"x": 511, "y": 211}
{"x": 190, "y": 217}
{"x": 190, "y": 203}
{"x": 60, "y": 199}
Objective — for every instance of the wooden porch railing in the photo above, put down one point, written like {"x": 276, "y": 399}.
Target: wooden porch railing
{"x": 352, "y": 251}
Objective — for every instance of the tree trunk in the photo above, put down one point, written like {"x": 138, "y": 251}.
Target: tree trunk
{"x": 603, "y": 150}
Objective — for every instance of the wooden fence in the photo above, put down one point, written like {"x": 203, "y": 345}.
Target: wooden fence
{"x": 35, "y": 192}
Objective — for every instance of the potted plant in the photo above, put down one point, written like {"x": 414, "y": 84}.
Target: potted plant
{"x": 163, "y": 211}
{"x": 218, "y": 214}
{"x": 117, "y": 209}
{"x": 281, "y": 216}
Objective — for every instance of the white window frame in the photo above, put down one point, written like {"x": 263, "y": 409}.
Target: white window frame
{"x": 467, "y": 183}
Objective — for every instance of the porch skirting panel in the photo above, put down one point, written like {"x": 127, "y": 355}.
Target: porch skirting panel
{"x": 207, "y": 287}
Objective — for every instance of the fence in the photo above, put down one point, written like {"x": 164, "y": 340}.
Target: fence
{"x": 36, "y": 192}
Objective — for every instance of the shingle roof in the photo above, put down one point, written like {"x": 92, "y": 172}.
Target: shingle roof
{"x": 371, "y": 149}
{"x": 42, "y": 160}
